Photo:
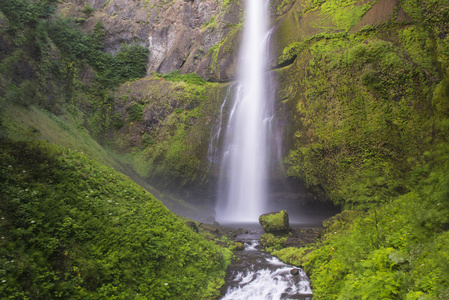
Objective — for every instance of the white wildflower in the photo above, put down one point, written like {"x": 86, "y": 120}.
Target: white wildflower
{"x": 165, "y": 283}
{"x": 32, "y": 222}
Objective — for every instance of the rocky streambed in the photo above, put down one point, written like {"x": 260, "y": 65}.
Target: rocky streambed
{"x": 255, "y": 274}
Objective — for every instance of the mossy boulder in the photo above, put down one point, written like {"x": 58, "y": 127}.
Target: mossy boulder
{"x": 275, "y": 222}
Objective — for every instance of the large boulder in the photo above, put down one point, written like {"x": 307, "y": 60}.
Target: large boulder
{"x": 275, "y": 222}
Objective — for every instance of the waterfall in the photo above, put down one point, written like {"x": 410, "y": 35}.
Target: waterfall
{"x": 243, "y": 176}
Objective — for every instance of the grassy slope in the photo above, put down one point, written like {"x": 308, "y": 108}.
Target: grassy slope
{"x": 371, "y": 116}
{"x": 73, "y": 228}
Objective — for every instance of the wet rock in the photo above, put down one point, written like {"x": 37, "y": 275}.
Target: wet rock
{"x": 192, "y": 225}
{"x": 294, "y": 271}
{"x": 210, "y": 228}
{"x": 275, "y": 222}
{"x": 239, "y": 246}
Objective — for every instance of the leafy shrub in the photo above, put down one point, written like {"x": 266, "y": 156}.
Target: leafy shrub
{"x": 88, "y": 9}
{"x": 23, "y": 94}
{"x": 135, "y": 111}
{"x": 127, "y": 64}
{"x": 118, "y": 120}
{"x": 271, "y": 242}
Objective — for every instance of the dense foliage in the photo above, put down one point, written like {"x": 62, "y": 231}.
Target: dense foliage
{"x": 372, "y": 125}
{"x": 71, "y": 228}
{"x": 129, "y": 63}
{"x": 397, "y": 251}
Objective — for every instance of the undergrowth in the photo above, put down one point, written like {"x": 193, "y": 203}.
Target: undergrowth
{"x": 72, "y": 228}
{"x": 395, "y": 251}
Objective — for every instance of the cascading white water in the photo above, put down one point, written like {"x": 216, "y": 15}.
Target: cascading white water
{"x": 242, "y": 190}
{"x": 257, "y": 275}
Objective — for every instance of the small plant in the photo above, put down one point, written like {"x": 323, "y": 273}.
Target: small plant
{"x": 118, "y": 120}
{"x": 135, "y": 111}
{"x": 88, "y": 9}
{"x": 272, "y": 243}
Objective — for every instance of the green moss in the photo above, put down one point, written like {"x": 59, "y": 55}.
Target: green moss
{"x": 275, "y": 222}
{"x": 358, "y": 103}
{"x": 225, "y": 45}
{"x": 177, "y": 114}
{"x": 345, "y": 14}
{"x": 190, "y": 78}
{"x": 292, "y": 255}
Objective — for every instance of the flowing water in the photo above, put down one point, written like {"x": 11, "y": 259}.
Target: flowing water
{"x": 258, "y": 275}
{"x": 242, "y": 192}
{"x": 244, "y": 158}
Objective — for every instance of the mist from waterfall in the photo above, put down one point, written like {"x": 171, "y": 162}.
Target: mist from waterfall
{"x": 243, "y": 176}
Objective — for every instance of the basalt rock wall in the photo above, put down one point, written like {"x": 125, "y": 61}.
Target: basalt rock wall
{"x": 190, "y": 36}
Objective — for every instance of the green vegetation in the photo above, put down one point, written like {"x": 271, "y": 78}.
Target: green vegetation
{"x": 271, "y": 242}
{"x": 366, "y": 113}
{"x": 129, "y": 63}
{"x": 135, "y": 111}
{"x": 225, "y": 45}
{"x": 368, "y": 123}
{"x": 167, "y": 139}
{"x": 275, "y": 222}
{"x": 370, "y": 129}
{"x": 397, "y": 251}
{"x": 190, "y": 78}
{"x": 72, "y": 228}
{"x": 212, "y": 23}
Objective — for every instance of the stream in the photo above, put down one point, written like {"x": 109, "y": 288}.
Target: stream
{"x": 254, "y": 274}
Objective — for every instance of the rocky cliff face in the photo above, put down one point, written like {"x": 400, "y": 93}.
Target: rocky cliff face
{"x": 190, "y": 36}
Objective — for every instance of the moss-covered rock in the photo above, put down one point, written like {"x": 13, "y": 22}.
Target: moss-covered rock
{"x": 275, "y": 222}
{"x": 167, "y": 125}
{"x": 365, "y": 104}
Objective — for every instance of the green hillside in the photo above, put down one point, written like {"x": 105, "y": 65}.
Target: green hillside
{"x": 71, "y": 228}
